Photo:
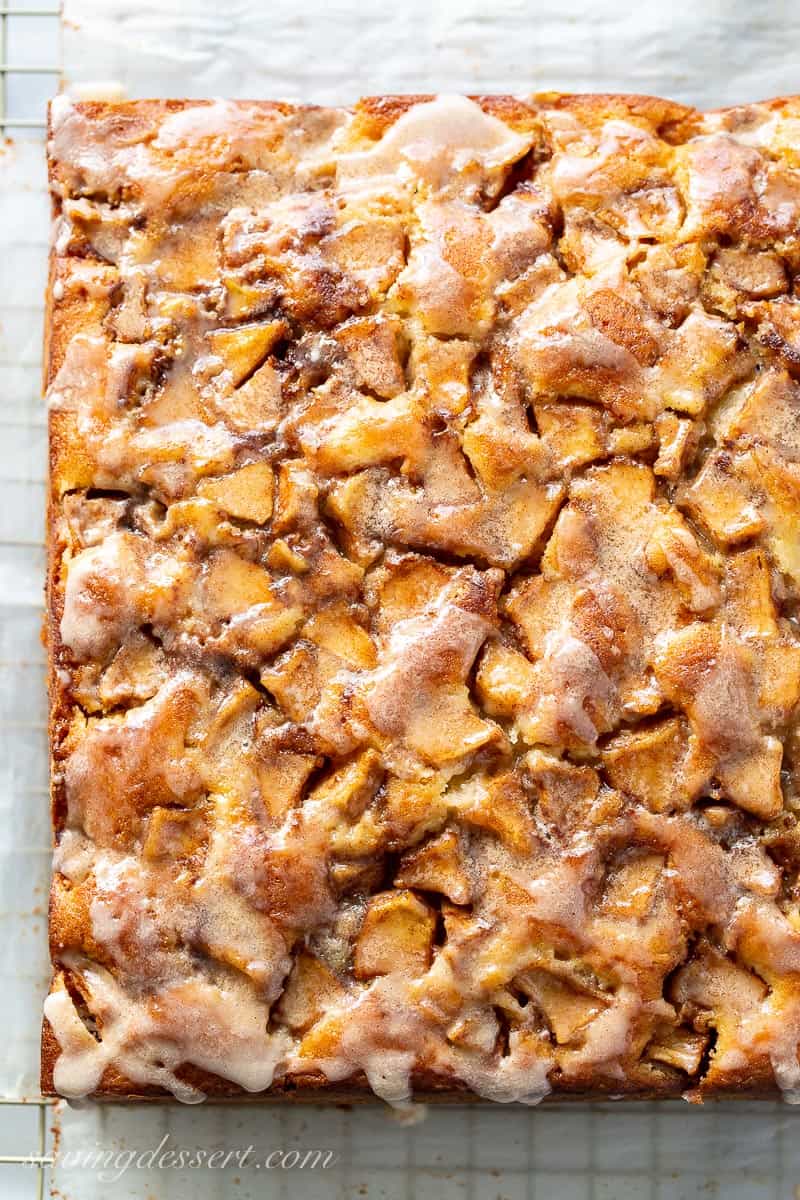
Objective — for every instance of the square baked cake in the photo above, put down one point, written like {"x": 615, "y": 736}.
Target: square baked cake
{"x": 424, "y": 564}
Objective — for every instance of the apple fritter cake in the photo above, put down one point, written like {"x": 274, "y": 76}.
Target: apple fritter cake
{"x": 423, "y": 580}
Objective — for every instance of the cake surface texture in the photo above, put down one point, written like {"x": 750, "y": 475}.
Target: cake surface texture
{"x": 424, "y": 566}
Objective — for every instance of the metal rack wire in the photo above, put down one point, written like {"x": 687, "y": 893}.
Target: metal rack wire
{"x": 22, "y": 112}
{"x": 49, "y": 71}
{"x": 39, "y": 1159}
{"x": 600, "y": 1153}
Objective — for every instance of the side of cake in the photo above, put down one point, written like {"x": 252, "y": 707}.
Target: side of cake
{"x": 423, "y": 579}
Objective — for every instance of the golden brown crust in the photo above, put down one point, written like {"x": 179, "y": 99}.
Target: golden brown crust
{"x": 422, "y": 596}
{"x": 312, "y": 1087}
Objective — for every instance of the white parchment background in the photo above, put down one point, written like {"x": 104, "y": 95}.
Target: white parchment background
{"x": 705, "y": 52}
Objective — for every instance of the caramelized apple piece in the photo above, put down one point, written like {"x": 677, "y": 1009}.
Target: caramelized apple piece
{"x": 656, "y": 765}
{"x": 501, "y": 807}
{"x": 371, "y": 344}
{"x": 245, "y": 494}
{"x": 676, "y": 441}
{"x": 630, "y": 889}
{"x": 245, "y": 347}
{"x": 725, "y": 500}
{"x": 174, "y": 834}
{"x": 312, "y": 989}
{"x": 397, "y": 935}
{"x": 437, "y": 866}
{"x": 680, "y": 1048}
{"x": 566, "y": 1011}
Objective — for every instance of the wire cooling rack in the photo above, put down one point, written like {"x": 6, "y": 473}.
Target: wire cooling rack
{"x": 601, "y": 1152}
{"x": 36, "y": 1162}
{"x": 30, "y": 67}
{"x": 25, "y": 85}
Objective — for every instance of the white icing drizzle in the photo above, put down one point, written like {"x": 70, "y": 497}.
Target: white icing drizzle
{"x": 433, "y": 144}
{"x": 570, "y": 676}
{"x": 91, "y": 623}
{"x": 419, "y": 650}
{"x": 218, "y": 1027}
{"x": 198, "y": 124}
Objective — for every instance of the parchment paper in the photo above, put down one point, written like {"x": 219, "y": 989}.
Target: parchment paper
{"x": 705, "y": 52}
